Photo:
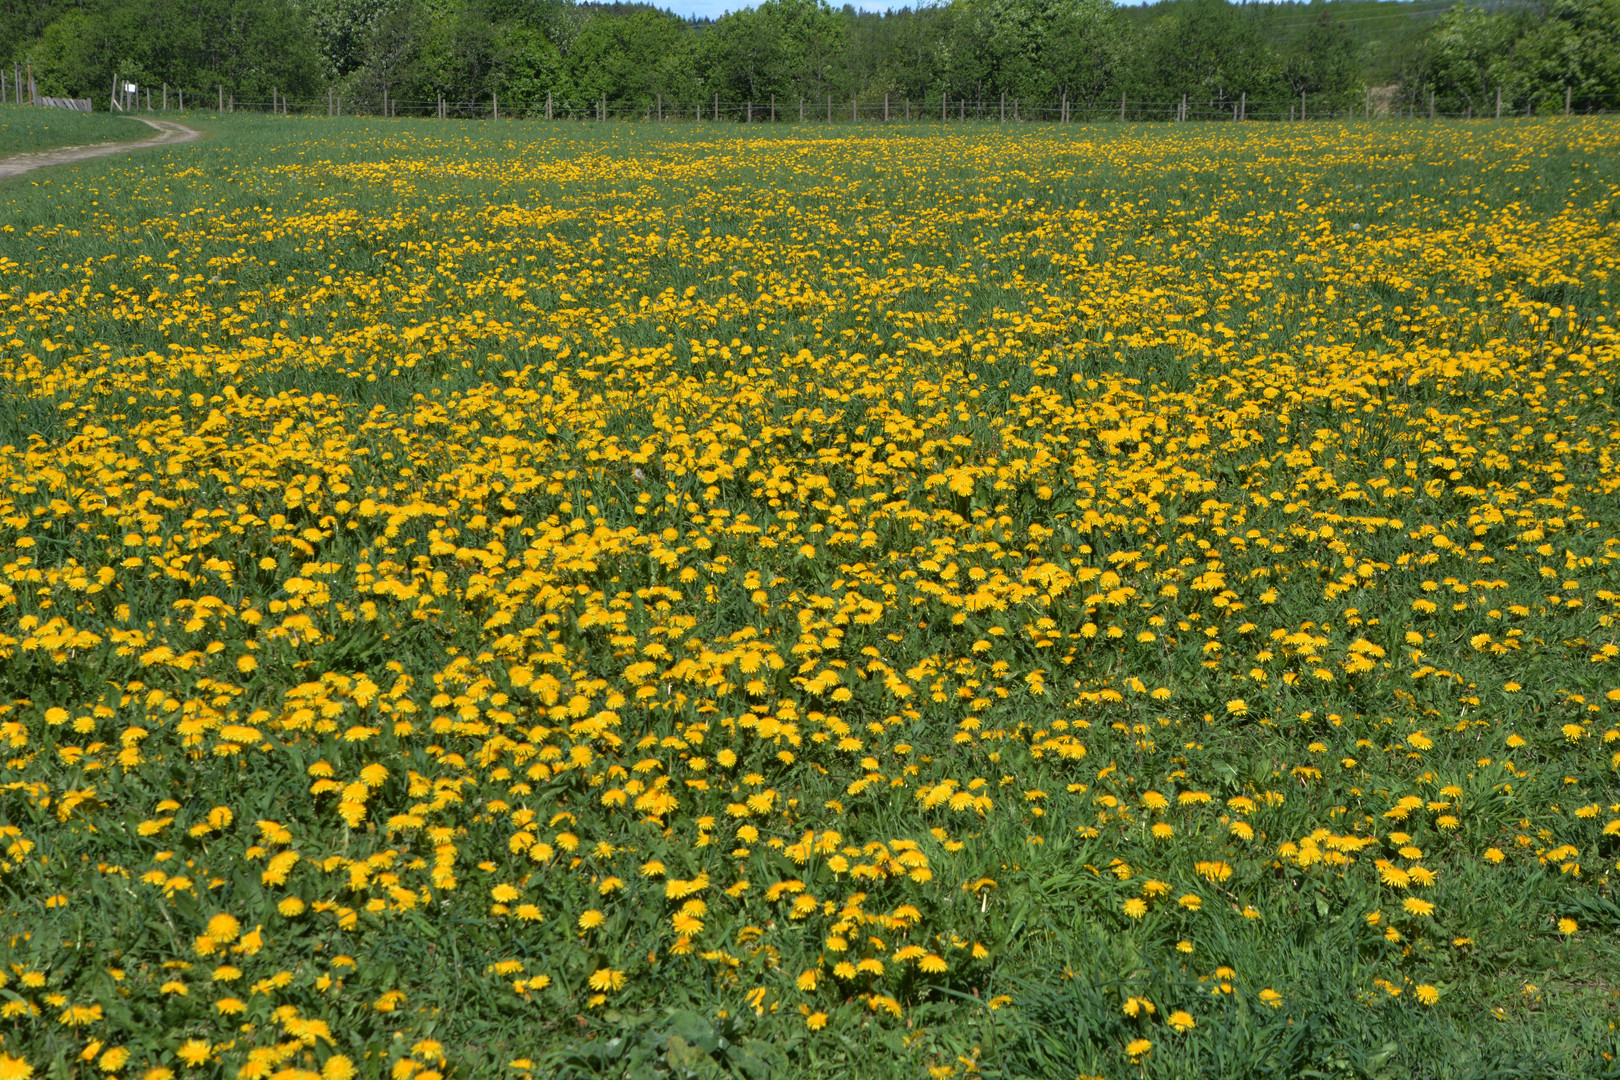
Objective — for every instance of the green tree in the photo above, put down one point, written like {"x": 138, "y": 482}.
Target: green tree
{"x": 630, "y": 58}
{"x": 1323, "y": 62}
{"x": 1207, "y": 50}
{"x": 249, "y": 49}
{"x": 1577, "y": 45}
{"x": 533, "y": 67}
{"x": 1085, "y": 50}
{"x": 397, "y": 46}
{"x": 343, "y": 29}
{"x": 1466, "y": 56}
{"x": 790, "y": 48}
{"x": 899, "y": 53}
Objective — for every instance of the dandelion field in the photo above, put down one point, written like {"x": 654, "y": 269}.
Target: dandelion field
{"x": 527, "y": 600}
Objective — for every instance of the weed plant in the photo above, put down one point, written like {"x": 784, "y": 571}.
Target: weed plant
{"x": 509, "y": 600}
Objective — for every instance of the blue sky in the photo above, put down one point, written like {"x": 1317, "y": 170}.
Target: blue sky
{"x": 715, "y": 8}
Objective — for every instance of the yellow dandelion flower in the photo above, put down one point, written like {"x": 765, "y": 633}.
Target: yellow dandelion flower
{"x": 194, "y": 1053}
{"x": 604, "y": 979}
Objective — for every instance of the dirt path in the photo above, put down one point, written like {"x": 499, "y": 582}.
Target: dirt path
{"x": 168, "y": 134}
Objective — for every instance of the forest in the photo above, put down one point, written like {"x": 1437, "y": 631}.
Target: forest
{"x": 1052, "y": 58}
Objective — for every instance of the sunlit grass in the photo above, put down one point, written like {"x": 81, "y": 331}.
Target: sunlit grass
{"x": 1113, "y": 600}
{"x": 27, "y": 128}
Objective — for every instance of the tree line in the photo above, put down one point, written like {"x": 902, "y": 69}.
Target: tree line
{"x": 1089, "y": 54}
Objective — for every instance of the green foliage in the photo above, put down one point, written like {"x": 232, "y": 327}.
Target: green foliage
{"x": 1208, "y": 50}
{"x": 251, "y": 49}
{"x": 790, "y": 48}
{"x": 1039, "y": 52}
{"x": 631, "y": 59}
{"x": 1531, "y": 58}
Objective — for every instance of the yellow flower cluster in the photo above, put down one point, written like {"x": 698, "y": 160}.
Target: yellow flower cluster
{"x": 446, "y": 569}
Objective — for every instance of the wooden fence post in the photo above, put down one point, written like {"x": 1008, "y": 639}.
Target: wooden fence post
{"x": 495, "y": 103}
{"x": 773, "y": 108}
{"x": 660, "y": 107}
{"x": 885, "y": 107}
{"x": 548, "y": 104}
{"x": 221, "y": 97}
{"x": 1122, "y": 106}
{"x": 854, "y": 111}
{"x": 717, "y": 106}
{"x": 1302, "y": 106}
{"x": 1004, "y": 106}
{"x": 1566, "y": 101}
{"x": 801, "y": 110}
{"x": 1499, "y": 103}
{"x": 1183, "y": 108}
{"x": 1243, "y": 106}
{"x": 944, "y": 105}
{"x": 1431, "y": 104}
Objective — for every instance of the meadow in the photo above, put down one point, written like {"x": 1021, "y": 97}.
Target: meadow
{"x": 524, "y": 600}
{"x": 25, "y": 128}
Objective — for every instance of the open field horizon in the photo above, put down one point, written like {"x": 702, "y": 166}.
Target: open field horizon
{"x": 535, "y": 600}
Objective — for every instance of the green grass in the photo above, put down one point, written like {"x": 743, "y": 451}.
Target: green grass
{"x": 1378, "y": 298}
{"x": 24, "y": 128}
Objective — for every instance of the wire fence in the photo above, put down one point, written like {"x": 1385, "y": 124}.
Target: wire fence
{"x": 944, "y": 109}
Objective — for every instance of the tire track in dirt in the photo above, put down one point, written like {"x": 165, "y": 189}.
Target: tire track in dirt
{"x": 169, "y": 134}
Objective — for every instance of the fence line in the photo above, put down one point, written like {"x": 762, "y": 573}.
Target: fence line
{"x": 942, "y": 109}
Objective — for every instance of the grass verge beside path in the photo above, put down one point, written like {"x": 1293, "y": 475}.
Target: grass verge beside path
{"x": 24, "y": 129}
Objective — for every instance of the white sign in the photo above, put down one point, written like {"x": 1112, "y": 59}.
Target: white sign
{"x": 130, "y": 88}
